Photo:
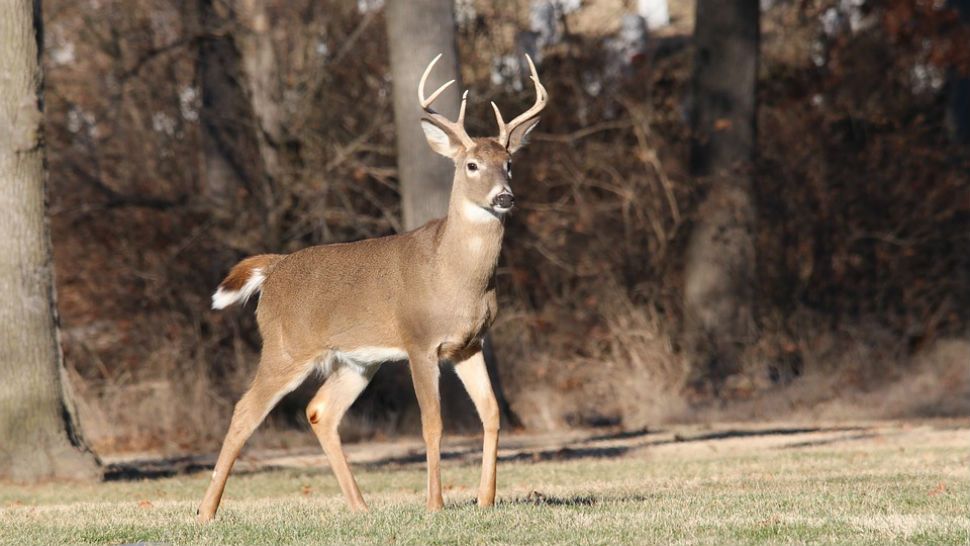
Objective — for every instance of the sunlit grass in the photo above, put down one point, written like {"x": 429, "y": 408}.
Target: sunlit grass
{"x": 864, "y": 494}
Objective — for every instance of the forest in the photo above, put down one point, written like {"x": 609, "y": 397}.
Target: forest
{"x": 761, "y": 210}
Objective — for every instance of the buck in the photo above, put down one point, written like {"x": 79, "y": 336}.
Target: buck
{"x": 424, "y": 296}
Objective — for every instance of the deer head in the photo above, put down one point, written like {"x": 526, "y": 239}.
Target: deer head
{"x": 483, "y": 166}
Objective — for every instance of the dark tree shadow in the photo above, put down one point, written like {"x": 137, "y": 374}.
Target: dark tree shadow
{"x": 827, "y": 441}
{"x": 580, "y": 449}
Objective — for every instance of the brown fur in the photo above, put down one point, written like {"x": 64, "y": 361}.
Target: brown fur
{"x": 429, "y": 293}
{"x": 240, "y": 273}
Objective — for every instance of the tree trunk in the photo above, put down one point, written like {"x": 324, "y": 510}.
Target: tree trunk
{"x": 417, "y": 30}
{"x": 230, "y": 154}
{"x": 241, "y": 117}
{"x": 720, "y": 261}
{"x": 958, "y": 86}
{"x": 39, "y": 434}
{"x": 264, "y": 84}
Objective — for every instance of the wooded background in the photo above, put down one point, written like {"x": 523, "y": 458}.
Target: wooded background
{"x": 764, "y": 214}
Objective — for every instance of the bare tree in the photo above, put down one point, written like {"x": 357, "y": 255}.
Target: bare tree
{"x": 264, "y": 87}
{"x": 720, "y": 257}
{"x": 418, "y": 30}
{"x": 237, "y": 152}
{"x": 226, "y": 118}
{"x": 242, "y": 109}
{"x": 958, "y": 109}
{"x": 40, "y": 433}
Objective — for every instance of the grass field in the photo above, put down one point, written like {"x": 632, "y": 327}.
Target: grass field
{"x": 868, "y": 484}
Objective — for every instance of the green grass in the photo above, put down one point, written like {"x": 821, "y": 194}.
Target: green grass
{"x": 858, "y": 493}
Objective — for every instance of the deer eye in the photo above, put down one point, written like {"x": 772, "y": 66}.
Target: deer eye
{"x": 472, "y": 166}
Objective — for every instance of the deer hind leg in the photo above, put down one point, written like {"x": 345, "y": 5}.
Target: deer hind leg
{"x": 425, "y": 374}
{"x": 474, "y": 376}
{"x": 325, "y": 412}
{"x": 273, "y": 380}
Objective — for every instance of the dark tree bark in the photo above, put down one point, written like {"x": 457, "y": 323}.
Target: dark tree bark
{"x": 264, "y": 89}
{"x": 723, "y": 86}
{"x": 719, "y": 274}
{"x": 39, "y": 433}
{"x": 418, "y": 30}
{"x": 240, "y": 116}
{"x": 958, "y": 107}
{"x": 230, "y": 158}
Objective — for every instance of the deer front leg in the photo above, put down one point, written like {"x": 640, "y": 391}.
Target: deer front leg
{"x": 474, "y": 376}
{"x": 424, "y": 373}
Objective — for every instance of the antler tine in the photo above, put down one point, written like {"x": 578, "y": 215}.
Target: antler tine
{"x": 502, "y": 133}
{"x": 541, "y": 97}
{"x": 461, "y": 111}
{"x": 457, "y": 126}
{"x": 425, "y": 102}
{"x": 505, "y": 129}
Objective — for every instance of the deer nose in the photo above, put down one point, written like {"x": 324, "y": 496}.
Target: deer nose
{"x": 504, "y": 200}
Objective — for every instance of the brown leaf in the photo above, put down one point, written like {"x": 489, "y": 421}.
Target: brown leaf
{"x": 535, "y": 497}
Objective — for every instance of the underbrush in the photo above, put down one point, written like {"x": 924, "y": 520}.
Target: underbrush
{"x": 861, "y": 237}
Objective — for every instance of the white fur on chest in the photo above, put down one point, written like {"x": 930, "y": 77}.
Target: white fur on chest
{"x": 475, "y": 244}
{"x": 364, "y": 360}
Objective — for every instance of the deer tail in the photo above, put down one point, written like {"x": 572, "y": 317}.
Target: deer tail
{"x": 244, "y": 279}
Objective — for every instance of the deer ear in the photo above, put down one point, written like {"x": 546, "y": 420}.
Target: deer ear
{"x": 440, "y": 138}
{"x": 519, "y": 136}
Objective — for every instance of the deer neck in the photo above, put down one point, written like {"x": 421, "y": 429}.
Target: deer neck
{"x": 471, "y": 240}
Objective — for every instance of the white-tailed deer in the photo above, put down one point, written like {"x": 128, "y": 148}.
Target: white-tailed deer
{"x": 425, "y": 296}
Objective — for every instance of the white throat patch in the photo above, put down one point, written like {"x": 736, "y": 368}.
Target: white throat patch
{"x": 477, "y": 214}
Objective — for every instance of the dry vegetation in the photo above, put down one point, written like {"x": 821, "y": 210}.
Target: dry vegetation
{"x": 862, "y": 204}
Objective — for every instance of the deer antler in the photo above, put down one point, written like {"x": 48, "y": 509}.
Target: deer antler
{"x": 505, "y": 130}
{"x": 457, "y": 127}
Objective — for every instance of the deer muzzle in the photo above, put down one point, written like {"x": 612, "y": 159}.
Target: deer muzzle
{"x": 504, "y": 201}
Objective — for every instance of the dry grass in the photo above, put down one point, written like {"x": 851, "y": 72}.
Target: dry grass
{"x": 842, "y": 378}
{"x": 865, "y": 484}
{"x": 558, "y": 382}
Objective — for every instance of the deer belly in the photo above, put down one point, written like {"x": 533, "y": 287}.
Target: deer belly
{"x": 365, "y": 360}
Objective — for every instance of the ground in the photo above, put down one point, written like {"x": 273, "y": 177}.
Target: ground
{"x": 858, "y": 483}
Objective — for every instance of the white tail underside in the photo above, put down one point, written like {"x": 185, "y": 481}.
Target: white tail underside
{"x": 224, "y": 298}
